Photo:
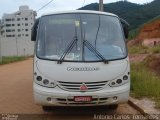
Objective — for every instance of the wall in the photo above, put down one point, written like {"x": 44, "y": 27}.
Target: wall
{"x": 151, "y": 42}
{"x": 19, "y": 47}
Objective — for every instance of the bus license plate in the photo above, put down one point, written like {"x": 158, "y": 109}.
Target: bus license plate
{"x": 82, "y": 98}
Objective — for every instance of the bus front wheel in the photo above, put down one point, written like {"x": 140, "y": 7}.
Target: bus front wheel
{"x": 47, "y": 108}
{"x": 113, "y": 107}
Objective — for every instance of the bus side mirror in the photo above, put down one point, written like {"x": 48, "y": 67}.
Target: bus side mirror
{"x": 34, "y": 30}
{"x": 125, "y": 27}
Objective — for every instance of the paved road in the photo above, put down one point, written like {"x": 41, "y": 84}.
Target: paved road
{"x": 16, "y": 96}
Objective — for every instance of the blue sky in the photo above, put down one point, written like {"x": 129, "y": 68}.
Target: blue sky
{"x": 10, "y": 6}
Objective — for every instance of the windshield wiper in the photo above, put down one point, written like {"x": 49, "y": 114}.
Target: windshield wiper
{"x": 92, "y": 49}
{"x": 68, "y": 49}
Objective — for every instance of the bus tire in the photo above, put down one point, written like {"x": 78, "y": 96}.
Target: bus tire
{"x": 46, "y": 108}
{"x": 113, "y": 106}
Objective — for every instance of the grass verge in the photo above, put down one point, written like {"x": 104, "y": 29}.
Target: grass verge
{"x": 144, "y": 83}
{"x": 139, "y": 49}
{"x": 6, "y": 60}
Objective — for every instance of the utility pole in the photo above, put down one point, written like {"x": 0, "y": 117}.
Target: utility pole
{"x": 100, "y": 5}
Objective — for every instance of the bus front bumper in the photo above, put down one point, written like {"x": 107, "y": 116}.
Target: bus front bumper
{"x": 58, "y": 97}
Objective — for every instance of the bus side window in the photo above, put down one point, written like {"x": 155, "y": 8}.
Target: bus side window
{"x": 34, "y": 30}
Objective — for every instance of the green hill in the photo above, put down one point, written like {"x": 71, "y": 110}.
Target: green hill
{"x": 135, "y": 14}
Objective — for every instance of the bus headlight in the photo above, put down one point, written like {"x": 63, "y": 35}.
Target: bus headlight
{"x": 45, "y": 81}
{"x": 39, "y": 78}
{"x": 118, "y": 82}
{"x": 125, "y": 77}
{"x": 52, "y": 84}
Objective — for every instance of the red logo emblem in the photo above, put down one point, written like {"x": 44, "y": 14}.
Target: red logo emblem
{"x": 83, "y": 87}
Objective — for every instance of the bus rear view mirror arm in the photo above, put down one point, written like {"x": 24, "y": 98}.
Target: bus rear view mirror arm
{"x": 125, "y": 26}
{"x": 34, "y": 30}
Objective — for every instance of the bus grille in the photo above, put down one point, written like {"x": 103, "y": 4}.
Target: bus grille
{"x": 75, "y": 86}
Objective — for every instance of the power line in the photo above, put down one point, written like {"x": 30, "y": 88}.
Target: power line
{"x": 44, "y": 5}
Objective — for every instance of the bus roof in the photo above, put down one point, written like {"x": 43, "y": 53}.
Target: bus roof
{"x": 80, "y": 11}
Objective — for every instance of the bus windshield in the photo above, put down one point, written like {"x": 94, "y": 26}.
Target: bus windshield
{"x": 80, "y": 37}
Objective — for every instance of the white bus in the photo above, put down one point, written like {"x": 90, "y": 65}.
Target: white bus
{"x": 80, "y": 59}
